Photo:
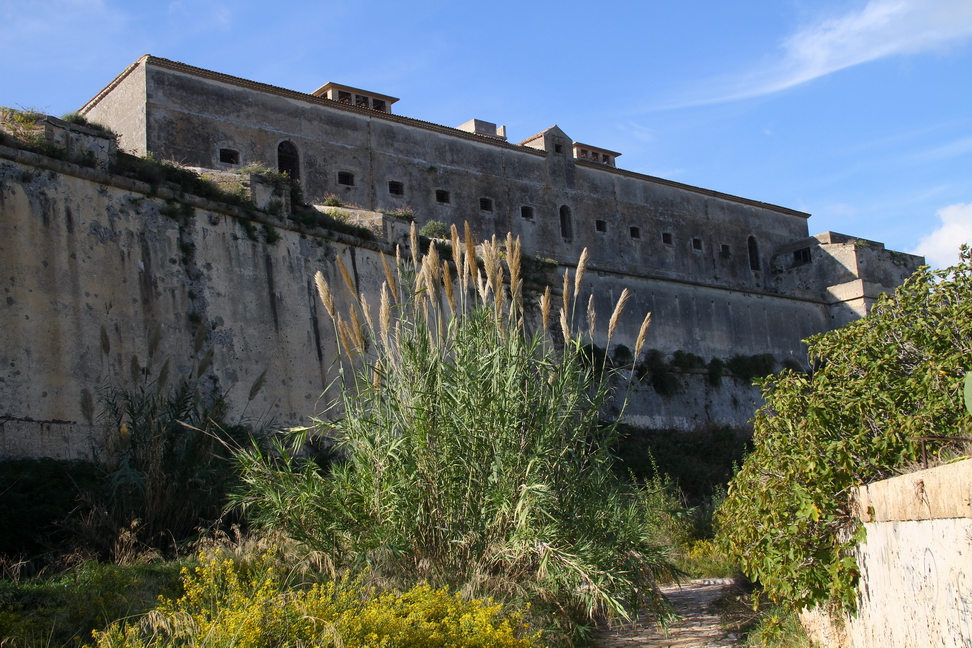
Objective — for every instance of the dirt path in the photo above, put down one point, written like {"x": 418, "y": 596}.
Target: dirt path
{"x": 698, "y": 628}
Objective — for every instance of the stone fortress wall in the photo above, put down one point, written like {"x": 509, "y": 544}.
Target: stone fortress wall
{"x": 93, "y": 266}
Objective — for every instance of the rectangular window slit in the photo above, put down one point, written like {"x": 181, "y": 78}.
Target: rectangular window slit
{"x": 229, "y": 156}
{"x": 442, "y": 196}
{"x": 346, "y": 178}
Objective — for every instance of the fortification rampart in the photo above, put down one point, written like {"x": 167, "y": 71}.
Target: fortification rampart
{"x": 94, "y": 265}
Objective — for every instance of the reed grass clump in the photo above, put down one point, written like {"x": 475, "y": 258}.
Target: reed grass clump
{"x": 472, "y": 451}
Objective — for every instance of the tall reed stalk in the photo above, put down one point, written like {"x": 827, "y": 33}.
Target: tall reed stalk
{"x": 473, "y": 454}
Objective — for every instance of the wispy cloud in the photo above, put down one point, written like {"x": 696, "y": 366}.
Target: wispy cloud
{"x": 881, "y": 28}
{"x": 940, "y": 248}
{"x": 639, "y": 132}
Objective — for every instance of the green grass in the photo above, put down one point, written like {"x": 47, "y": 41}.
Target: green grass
{"x": 63, "y": 608}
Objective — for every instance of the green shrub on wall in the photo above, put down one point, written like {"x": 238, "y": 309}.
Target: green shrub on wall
{"x": 883, "y": 380}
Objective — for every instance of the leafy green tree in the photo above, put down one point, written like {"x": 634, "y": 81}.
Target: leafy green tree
{"x": 880, "y": 382}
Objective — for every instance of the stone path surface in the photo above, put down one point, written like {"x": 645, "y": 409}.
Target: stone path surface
{"x": 698, "y": 627}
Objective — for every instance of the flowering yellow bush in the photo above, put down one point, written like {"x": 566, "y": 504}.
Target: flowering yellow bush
{"x": 244, "y": 605}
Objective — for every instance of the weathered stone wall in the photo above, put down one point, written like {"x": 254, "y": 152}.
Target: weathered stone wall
{"x": 90, "y": 268}
{"x": 92, "y": 264}
{"x": 916, "y": 565}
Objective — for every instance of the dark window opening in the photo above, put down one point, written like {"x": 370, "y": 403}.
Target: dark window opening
{"x": 396, "y": 188}
{"x": 288, "y": 160}
{"x": 753, "y": 254}
{"x": 605, "y": 159}
{"x": 726, "y": 252}
{"x": 526, "y": 212}
{"x": 442, "y": 196}
{"x": 361, "y": 100}
{"x": 667, "y": 238}
{"x": 801, "y": 257}
{"x": 485, "y": 204}
{"x": 566, "y": 226}
{"x": 600, "y": 226}
{"x": 346, "y": 178}
{"x": 344, "y": 97}
{"x": 558, "y": 148}
{"x": 378, "y": 104}
{"x": 635, "y": 232}
{"x": 229, "y": 156}
{"x": 696, "y": 244}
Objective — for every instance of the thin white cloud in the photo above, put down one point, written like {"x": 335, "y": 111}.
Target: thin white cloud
{"x": 881, "y": 28}
{"x": 940, "y": 248}
{"x": 639, "y": 132}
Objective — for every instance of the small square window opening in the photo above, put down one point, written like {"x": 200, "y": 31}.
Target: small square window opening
{"x": 635, "y": 232}
{"x": 344, "y": 97}
{"x": 346, "y": 178}
{"x": 442, "y": 196}
{"x": 361, "y": 100}
{"x": 396, "y": 188}
{"x": 526, "y": 212}
{"x": 697, "y": 244}
{"x": 485, "y": 204}
{"x": 600, "y": 226}
{"x": 229, "y": 156}
{"x": 726, "y": 251}
{"x": 558, "y": 148}
{"x": 378, "y": 104}
{"x": 667, "y": 238}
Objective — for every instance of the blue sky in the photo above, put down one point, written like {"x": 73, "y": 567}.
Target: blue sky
{"x": 857, "y": 111}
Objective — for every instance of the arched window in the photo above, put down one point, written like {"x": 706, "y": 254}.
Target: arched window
{"x": 566, "y": 227}
{"x": 753, "y": 254}
{"x": 288, "y": 160}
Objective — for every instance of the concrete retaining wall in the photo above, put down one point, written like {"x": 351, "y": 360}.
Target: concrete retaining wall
{"x": 916, "y": 565}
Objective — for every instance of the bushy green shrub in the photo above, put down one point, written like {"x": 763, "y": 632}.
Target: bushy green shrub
{"x": 473, "y": 454}
{"x": 686, "y": 360}
{"x": 748, "y": 367}
{"x": 434, "y": 229}
{"x": 249, "y": 606}
{"x": 655, "y": 369}
{"x": 165, "y": 460}
{"x": 883, "y": 380}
